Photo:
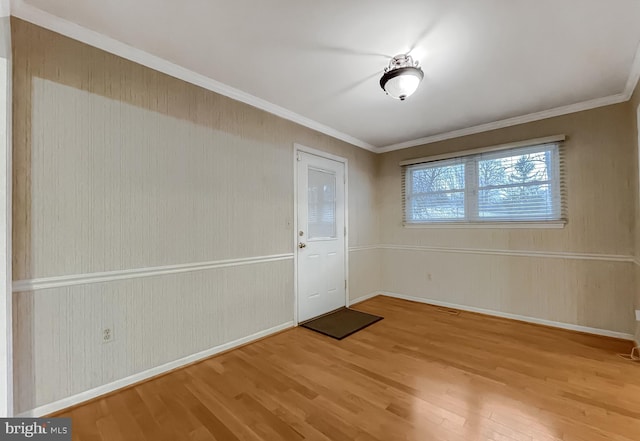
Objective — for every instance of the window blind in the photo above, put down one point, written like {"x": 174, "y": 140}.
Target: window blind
{"x": 515, "y": 184}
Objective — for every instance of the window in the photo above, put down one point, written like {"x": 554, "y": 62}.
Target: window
{"x": 322, "y": 204}
{"x": 520, "y": 184}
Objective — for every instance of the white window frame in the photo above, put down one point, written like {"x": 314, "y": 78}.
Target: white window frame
{"x": 471, "y": 159}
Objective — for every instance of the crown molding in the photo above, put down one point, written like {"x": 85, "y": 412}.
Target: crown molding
{"x": 72, "y": 30}
{"x": 632, "y": 82}
{"x": 558, "y": 111}
{"x": 634, "y": 76}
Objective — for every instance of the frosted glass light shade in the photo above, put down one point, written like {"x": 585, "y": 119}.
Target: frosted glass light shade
{"x": 401, "y": 82}
{"x": 403, "y": 85}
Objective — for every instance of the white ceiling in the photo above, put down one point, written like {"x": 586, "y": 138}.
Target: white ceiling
{"x": 319, "y": 62}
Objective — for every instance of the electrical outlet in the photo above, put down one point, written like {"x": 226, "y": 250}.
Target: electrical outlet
{"x": 638, "y": 315}
{"x": 107, "y": 335}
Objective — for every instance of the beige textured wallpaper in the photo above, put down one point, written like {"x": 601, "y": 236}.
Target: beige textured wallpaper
{"x": 601, "y": 183}
{"x": 154, "y": 170}
{"x": 118, "y": 167}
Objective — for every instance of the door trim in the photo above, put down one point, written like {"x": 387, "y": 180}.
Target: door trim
{"x": 322, "y": 154}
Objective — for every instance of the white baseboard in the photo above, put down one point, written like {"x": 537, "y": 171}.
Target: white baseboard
{"x": 522, "y": 318}
{"x": 144, "y": 375}
{"x": 363, "y": 298}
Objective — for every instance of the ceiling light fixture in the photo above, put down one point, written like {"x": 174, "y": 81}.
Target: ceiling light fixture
{"x": 402, "y": 77}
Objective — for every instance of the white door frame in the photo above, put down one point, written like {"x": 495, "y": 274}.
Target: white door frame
{"x": 301, "y": 148}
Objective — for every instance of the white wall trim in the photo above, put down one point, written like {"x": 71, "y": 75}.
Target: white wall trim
{"x": 321, "y": 153}
{"x": 23, "y": 10}
{"x": 497, "y": 252}
{"x": 69, "y": 29}
{"x": 110, "y": 276}
{"x": 634, "y": 75}
{"x": 555, "y": 139}
{"x": 149, "y": 373}
{"x": 515, "y": 253}
{"x": 488, "y": 225}
{"x": 364, "y": 248}
{"x": 531, "y": 117}
{"x": 522, "y": 318}
{"x": 363, "y": 298}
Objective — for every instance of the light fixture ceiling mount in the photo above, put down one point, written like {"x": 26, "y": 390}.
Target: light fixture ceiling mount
{"x": 402, "y": 77}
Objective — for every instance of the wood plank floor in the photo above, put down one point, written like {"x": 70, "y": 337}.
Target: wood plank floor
{"x": 419, "y": 374}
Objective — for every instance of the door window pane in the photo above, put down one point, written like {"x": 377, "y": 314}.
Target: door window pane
{"x": 322, "y": 204}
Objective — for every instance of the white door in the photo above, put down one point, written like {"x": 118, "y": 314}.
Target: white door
{"x": 321, "y": 235}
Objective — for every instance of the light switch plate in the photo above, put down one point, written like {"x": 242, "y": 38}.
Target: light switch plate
{"x": 638, "y": 315}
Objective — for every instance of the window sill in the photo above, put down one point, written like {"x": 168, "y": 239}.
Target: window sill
{"x": 490, "y": 225}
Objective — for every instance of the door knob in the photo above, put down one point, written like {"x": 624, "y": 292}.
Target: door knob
{"x": 302, "y": 245}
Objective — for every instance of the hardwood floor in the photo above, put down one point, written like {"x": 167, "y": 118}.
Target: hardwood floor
{"x": 420, "y": 374}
